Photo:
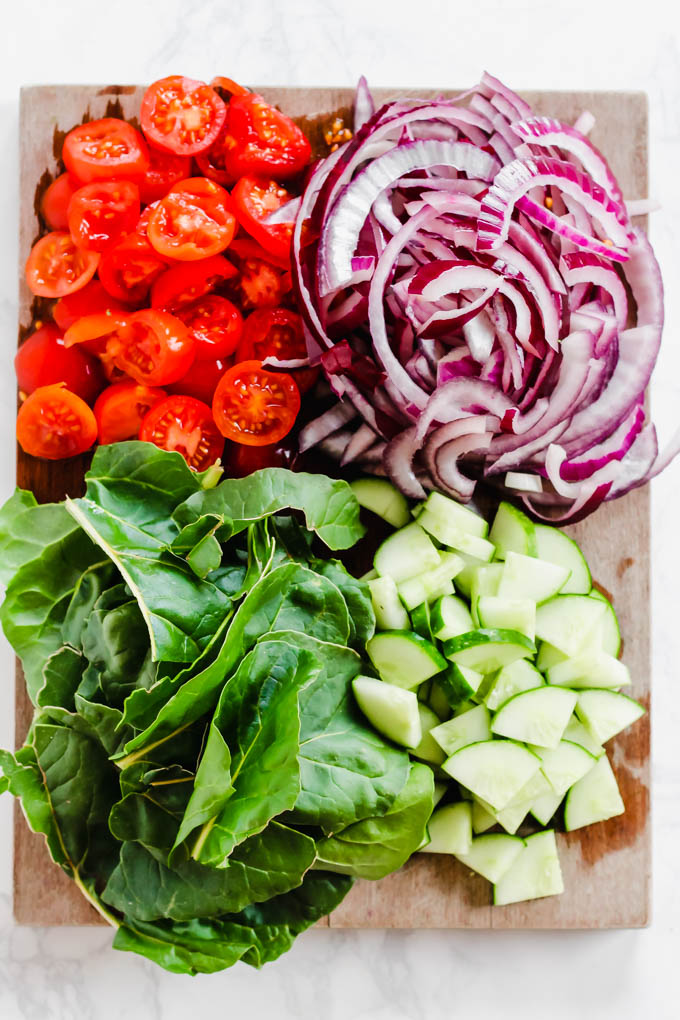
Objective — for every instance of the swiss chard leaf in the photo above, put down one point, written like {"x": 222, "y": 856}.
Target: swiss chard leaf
{"x": 357, "y": 596}
{"x": 62, "y": 676}
{"x": 115, "y": 642}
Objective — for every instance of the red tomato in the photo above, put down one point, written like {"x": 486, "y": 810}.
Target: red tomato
{"x": 262, "y": 281}
{"x": 262, "y": 140}
{"x": 56, "y": 266}
{"x": 90, "y": 299}
{"x": 182, "y": 285}
{"x": 277, "y": 333}
{"x": 54, "y": 203}
{"x": 128, "y": 269}
{"x": 120, "y": 409}
{"x": 247, "y": 248}
{"x": 164, "y": 170}
{"x": 254, "y": 406}
{"x": 94, "y": 331}
{"x": 202, "y": 378}
{"x": 186, "y": 425}
{"x": 43, "y": 359}
{"x": 215, "y": 324}
{"x": 211, "y": 162}
{"x": 105, "y": 149}
{"x": 101, "y": 211}
{"x": 193, "y": 221}
{"x": 229, "y": 85}
{"x": 154, "y": 348}
{"x": 255, "y": 198}
{"x": 54, "y": 423}
{"x": 181, "y": 115}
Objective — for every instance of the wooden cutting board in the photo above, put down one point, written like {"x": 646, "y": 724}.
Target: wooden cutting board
{"x": 606, "y": 867}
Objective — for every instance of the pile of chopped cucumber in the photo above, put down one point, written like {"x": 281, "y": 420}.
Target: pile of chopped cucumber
{"x": 496, "y": 662}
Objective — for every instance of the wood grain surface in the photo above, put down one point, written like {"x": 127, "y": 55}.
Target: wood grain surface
{"x": 606, "y": 867}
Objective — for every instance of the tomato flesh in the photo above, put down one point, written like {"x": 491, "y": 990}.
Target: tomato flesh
{"x": 90, "y": 299}
{"x": 43, "y": 360}
{"x": 164, "y": 170}
{"x": 120, "y": 409}
{"x": 201, "y": 379}
{"x": 255, "y": 198}
{"x": 277, "y": 333}
{"x": 182, "y": 285}
{"x": 193, "y": 221}
{"x": 100, "y": 212}
{"x": 181, "y": 115}
{"x": 129, "y": 268}
{"x": 108, "y": 149}
{"x": 54, "y": 423}
{"x": 215, "y": 324}
{"x": 154, "y": 348}
{"x": 185, "y": 425}
{"x": 54, "y": 203}
{"x": 254, "y": 406}
{"x": 56, "y": 266}
{"x": 92, "y": 332}
{"x": 262, "y": 140}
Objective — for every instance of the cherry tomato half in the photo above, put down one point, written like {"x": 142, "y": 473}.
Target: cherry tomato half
{"x": 255, "y": 198}
{"x": 128, "y": 269}
{"x": 54, "y": 423}
{"x": 201, "y": 379}
{"x": 254, "y": 406}
{"x": 54, "y": 203}
{"x": 56, "y": 266}
{"x": 262, "y": 140}
{"x": 181, "y": 115}
{"x": 229, "y": 85}
{"x": 193, "y": 221}
{"x": 164, "y": 170}
{"x": 182, "y": 285}
{"x": 211, "y": 162}
{"x": 101, "y": 211}
{"x": 92, "y": 332}
{"x": 154, "y": 348}
{"x": 120, "y": 408}
{"x": 186, "y": 425}
{"x": 277, "y": 333}
{"x": 43, "y": 359}
{"x": 215, "y": 324}
{"x": 108, "y": 149}
{"x": 90, "y": 299}
{"x": 262, "y": 281}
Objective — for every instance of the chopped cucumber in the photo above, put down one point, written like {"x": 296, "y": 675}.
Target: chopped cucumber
{"x": 463, "y": 580}
{"x": 568, "y": 622}
{"x": 428, "y": 749}
{"x": 455, "y": 537}
{"x": 485, "y": 581}
{"x": 488, "y": 650}
{"x": 536, "y": 717}
{"x": 383, "y": 499}
{"x": 450, "y": 512}
{"x": 514, "y": 813}
{"x": 512, "y": 531}
{"x": 589, "y": 669}
{"x": 406, "y": 553}
{"x": 387, "y": 606}
{"x": 610, "y": 634}
{"x": 450, "y": 829}
{"x": 392, "y": 710}
{"x": 510, "y": 614}
{"x": 437, "y": 698}
{"x": 458, "y": 684}
{"x": 431, "y": 584}
{"x": 605, "y": 713}
{"x": 404, "y": 658}
{"x": 493, "y": 855}
{"x": 494, "y": 770}
{"x": 439, "y": 791}
{"x": 548, "y": 656}
{"x": 544, "y": 807}
{"x": 482, "y": 819}
{"x": 514, "y": 679}
{"x": 578, "y": 734}
{"x": 469, "y": 728}
{"x": 564, "y": 765}
{"x": 449, "y": 617}
{"x": 535, "y": 872}
{"x": 420, "y": 621}
{"x": 524, "y": 577}
{"x": 554, "y": 546}
{"x": 595, "y": 798}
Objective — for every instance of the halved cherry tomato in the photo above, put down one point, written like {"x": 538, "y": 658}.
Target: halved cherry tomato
{"x": 164, "y": 170}
{"x": 128, "y": 269}
{"x": 92, "y": 332}
{"x": 262, "y": 140}
{"x": 243, "y": 248}
{"x": 181, "y": 115}
{"x": 202, "y": 378}
{"x": 193, "y": 221}
{"x": 101, "y": 211}
{"x": 54, "y": 203}
{"x": 186, "y": 425}
{"x": 182, "y": 285}
{"x": 262, "y": 281}
{"x": 277, "y": 333}
{"x": 56, "y": 266}
{"x": 255, "y": 198}
{"x": 229, "y": 85}
{"x": 254, "y": 406}
{"x": 153, "y": 348}
{"x": 54, "y": 423}
{"x": 119, "y": 410}
{"x": 215, "y": 324}
{"x": 108, "y": 149}
{"x": 92, "y": 298}
{"x": 211, "y": 162}
{"x": 43, "y": 359}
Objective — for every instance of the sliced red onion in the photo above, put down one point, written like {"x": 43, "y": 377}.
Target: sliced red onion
{"x": 584, "y": 267}
{"x": 364, "y": 106}
{"x": 325, "y": 425}
{"x": 447, "y": 472}
{"x": 545, "y": 218}
{"x": 584, "y": 123}
{"x": 362, "y": 441}
{"x": 286, "y": 213}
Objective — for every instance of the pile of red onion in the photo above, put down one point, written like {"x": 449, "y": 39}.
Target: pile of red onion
{"x": 481, "y": 304}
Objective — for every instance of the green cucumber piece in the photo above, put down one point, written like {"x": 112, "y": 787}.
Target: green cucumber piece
{"x": 458, "y": 684}
{"x": 450, "y": 512}
{"x": 428, "y": 749}
{"x": 568, "y": 622}
{"x": 514, "y": 679}
{"x": 469, "y": 728}
{"x": 595, "y": 798}
{"x": 391, "y": 710}
{"x": 420, "y": 621}
{"x": 482, "y": 818}
{"x": 463, "y": 581}
{"x": 610, "y": 633}
{"x": 538, "y": 717}
{"x": 514, "y": 813}
{"x": 383, "y": 499}
{"x": 437, "y": 699}
{"x": 449, "y": 617}
{"x": 548, "y": 656}
{"x": 488, "y": 650}
{"x": 564, "y": 765}
{"x": 493, "y": 855}
{"x": 589, "y": 669}
{"x": 485, "y": 581}
{"x": 387, "y": 606}
{"x": 543, "y": 808}
{"x": 524, "y": 577}
{"x": 431, "y": 584}
{"x": 534, "y": 874}
{"x": 493, "y": 770}
{"x": 404, "y": 658}
{"x": 509, "y": 614}
{"x": 455, "y": 537}
{"x": 512, "y": 531}
{"x": 406, "y": 553}
{"x": 605, "y": 713}
{"x": 578, "y": 734}
{"x": 450, "y": 829}
{"x": 439, "y": 791}
{"x": 553, "y": 546}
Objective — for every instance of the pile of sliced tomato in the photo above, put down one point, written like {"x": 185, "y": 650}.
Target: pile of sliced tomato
{"x": 173, "y": 318}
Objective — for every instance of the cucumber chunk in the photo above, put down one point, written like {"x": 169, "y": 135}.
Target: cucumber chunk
{"x": 488, "y": 650}
{"x": 387, "y": 606}
{"x": 450, "y": 829}
{"x": 469, "y": 728}
{"x": 391, "y": 710}
{"x": 438, "y": 700}
{"x": 511, "y": 614}
{"x": 514, "y": 679}
{"x": 536, "y": 717}
{"x": 578, "y": 734}
{"x": 431, "y": 584}
{"x": 494, "y": 770}
{"x": 406, "y": 553}
{"x": 439, "y": 791}
{"x": 449, "y": 617}
{"x": 493, "y": 855}
{"x": 589, "y": 669}
{"x": 458, "y": 684}
{"x": 512, "y": 531}
{"x": 595, "y": 798}
{"x": 605, "y": 713}
{"x": 564, "y": 765}
{"x": 404, "y": 658}
{"x": 482, "y": 819}
{"x": 514, "y": 813}
{"x": 420, "y": 621}
{"x": 548, "y": 656}
{"x": 450, "y": 512}
{"x": 428, "y": 749}
{"x": 554, "y": 546}
{"x": 568, "y": 622}
{"x": 524, "y": 577}
{"x": 485, "y": 581}
{"x": 543, "y": 808}
{"x": 463, "y": 580}
{"x": 534, "y": 874}
{"x": 610, "y": 634}
{"x": 383, "y": 499}
{"x": 455, "y": 537}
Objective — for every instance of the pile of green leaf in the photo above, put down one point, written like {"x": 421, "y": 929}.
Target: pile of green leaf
{"x": 196, "y": 761}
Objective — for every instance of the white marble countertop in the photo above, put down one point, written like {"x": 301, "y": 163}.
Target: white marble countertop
{"x": 72, "y": 974}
